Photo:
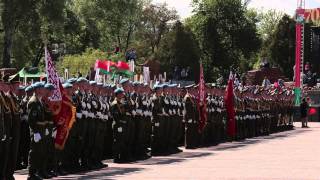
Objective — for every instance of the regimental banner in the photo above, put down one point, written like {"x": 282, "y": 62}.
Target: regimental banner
{"x": 52, "y": 77}
{"x": 202, "y": 104}
{"x": 312, "y": 16}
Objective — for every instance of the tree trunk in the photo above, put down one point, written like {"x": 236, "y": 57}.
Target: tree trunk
{"x": 9, "y": 27}
{"x": 119, "y": 42}
{"x": 128, "y": 38}
{"x": 7, "y": 47}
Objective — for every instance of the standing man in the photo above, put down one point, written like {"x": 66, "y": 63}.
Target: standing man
{"x": 119, "y": 127}
{"x": 12, "y": 99}
{"x": 37, "y": 132}
{"x": 190, "y": 119}
{"x": 304, "y": 109}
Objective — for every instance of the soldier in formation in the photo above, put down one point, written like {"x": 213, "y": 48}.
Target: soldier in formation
{"x": 126, "y": 122}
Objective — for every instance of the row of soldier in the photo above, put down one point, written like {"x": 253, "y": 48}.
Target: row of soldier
{"x": 129, "y": 122}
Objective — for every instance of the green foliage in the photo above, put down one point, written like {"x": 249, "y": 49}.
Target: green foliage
{"x": 179, "y": 48}
{"x": 281, "y": 47}
{"x": 227, "y": 34}
{"x": 82, "y": 62}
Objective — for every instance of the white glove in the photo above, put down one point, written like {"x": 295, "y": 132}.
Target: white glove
{"x": 83, "y": 104}
{"x": 54, "y": 134}
{"x": 79, "y": 115}
{"x": 47, "y": 132}
{"x": 89, "y": 106}
{"x": 36, "y": 137}
{"x": 120, "y": 129}
{"x": 94, "y": 103}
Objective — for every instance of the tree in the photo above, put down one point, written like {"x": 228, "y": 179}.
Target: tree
{"x": 179, "y": 48}
{"x": 155, "y": 23}
{"x": 226, "y": 34}
{"x": 268, "y": 22}
{"x": 20, "y": 17}
{"x": 12, "y": 15}
{"x": 282, "y": 45}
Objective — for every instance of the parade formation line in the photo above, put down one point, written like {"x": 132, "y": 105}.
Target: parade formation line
{"x": 290, "y": 155}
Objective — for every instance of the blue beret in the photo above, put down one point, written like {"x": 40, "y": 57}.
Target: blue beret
{"x": 118, "y": 91}
{"x": 123, "y": 81}
{"x": 22, "y": 87}
{"x": 82, "y": 79}
{"x": 38, "y": 85}
{"x": 157, "y": 86}
{"x": 112, "y": 86}
{"x": 164, "y": 85}
{"x": 49, "y": 86}
{"x": 72, "y": 80}
{"x": 172, "y": 85}
{"x": 29, "y": 88}
{"x": 92, "y": 82}
{"x": 67, "y": 85}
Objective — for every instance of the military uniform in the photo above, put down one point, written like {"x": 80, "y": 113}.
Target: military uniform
{"x": 191, "y": 123}
{"x": 37, "y": 126}
{"x": 6, "y": 136}
{"x": 24, "y": 135}
{"x": 15, "y": 134}
{"x": 120, "y": 130}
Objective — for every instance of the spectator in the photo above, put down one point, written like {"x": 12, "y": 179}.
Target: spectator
{"x": 266, "y": 82}
{"x": 176, "y": 73}
{"x": 243, "y": 79}
{"x": 188, "y": 73}
{"x": 79, "y": 74}
{"x": 304, "y": 109}
{"x": 183, "y": 74}
{"x": 236, "y": 82}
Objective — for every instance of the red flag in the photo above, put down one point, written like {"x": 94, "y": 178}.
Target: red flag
{"x": 104, "y": 65}
{"x": 63, "y": 110}
{"x": 202, "y": 104}
{"x": 64, "y": 121}
{"x": 229, "y": 98}
{"x": 123, "y": 65}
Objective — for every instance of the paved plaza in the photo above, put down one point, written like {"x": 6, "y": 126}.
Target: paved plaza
{"x": 292, "y": 155}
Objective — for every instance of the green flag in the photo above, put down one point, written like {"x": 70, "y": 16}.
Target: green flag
{"x": 297, "y": 99}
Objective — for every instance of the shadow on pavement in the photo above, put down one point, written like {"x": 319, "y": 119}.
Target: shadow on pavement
{"x": 102, "y": 174}
{"x": 174, "y": 158}
{"x": 251, "y": 141}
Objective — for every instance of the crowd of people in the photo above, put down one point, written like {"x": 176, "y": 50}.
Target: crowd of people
{"x": 126, "y": 122}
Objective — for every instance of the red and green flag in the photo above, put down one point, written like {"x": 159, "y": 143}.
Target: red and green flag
{"x": 109, "y": 67}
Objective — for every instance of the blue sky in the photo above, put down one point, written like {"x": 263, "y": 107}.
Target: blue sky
{"x": 184, "y": 6}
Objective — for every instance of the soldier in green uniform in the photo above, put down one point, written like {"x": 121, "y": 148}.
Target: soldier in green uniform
{"x": 190, "y": 119}
{"x": 13, "y": 103}
{"x": 49, "y": 149}
{"x": 25, "y": 131}
{"x": 71, "y": 150}
{"x": 97, "y": 154}
{"x": 131, "y": 122}
{"x": 37, "y": 127}
{"x": 6, "y": 127}
{"x": 3, "y": 137}
{"x": 157, "y": 114}
{"x": 119, "y": 127}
